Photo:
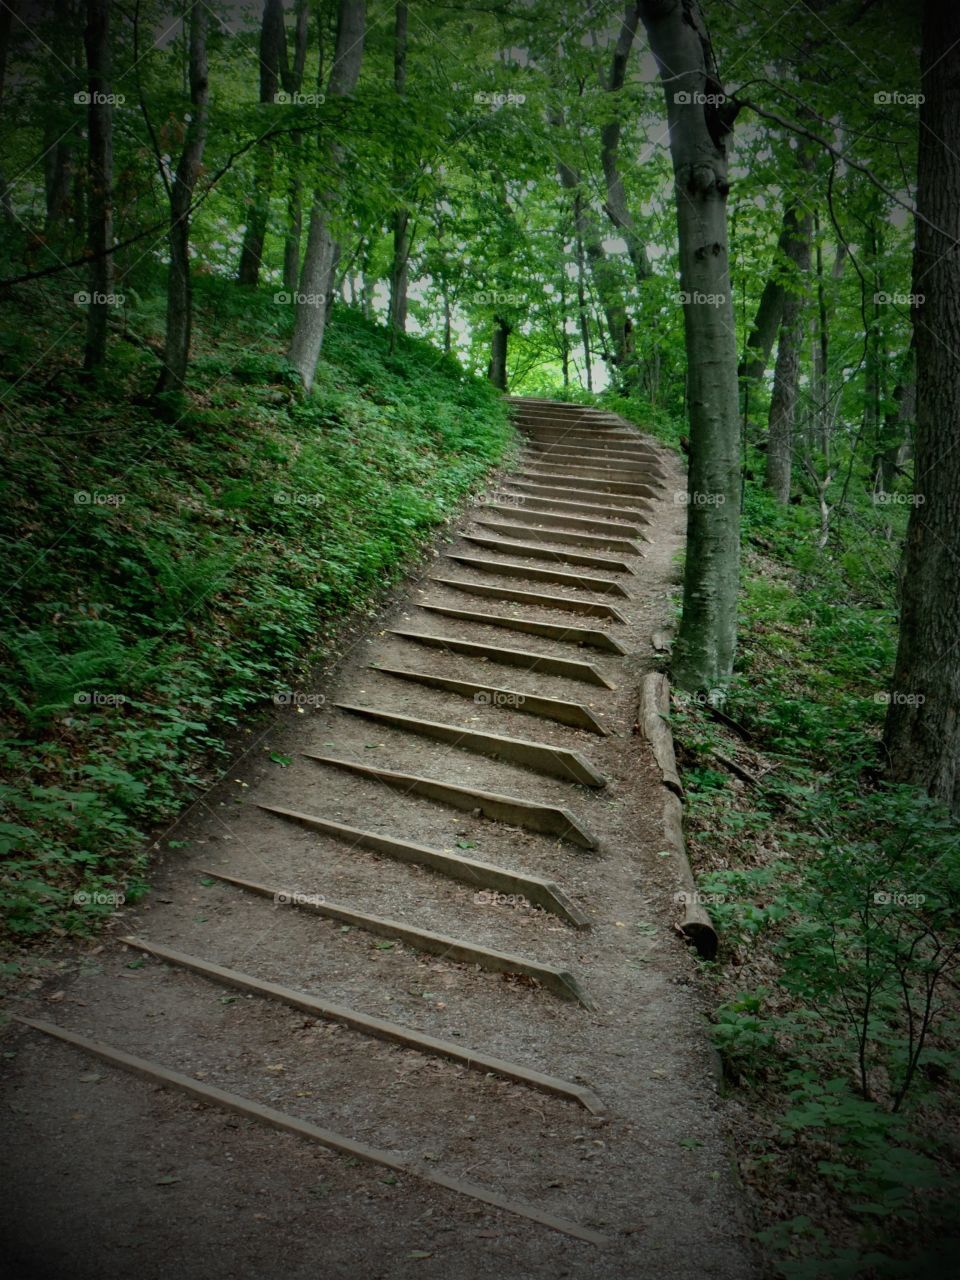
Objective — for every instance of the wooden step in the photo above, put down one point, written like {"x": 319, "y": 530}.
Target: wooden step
{"x": 561, "y": 536}
{"x": 530, "y": 514}
{"x": 560, "y": 981}
{"x": 507, "y": 569}
{"x": 532, "y": 626}
{"x": 546, "y": 664}
{"x": 549, "y": 820}
{"x": 537, "y": 891}
{"x": 570, "y": 713}
{"x": 585, "y": 608}
{"x": 558, "y": 762}
{"x": 534, "y": 552}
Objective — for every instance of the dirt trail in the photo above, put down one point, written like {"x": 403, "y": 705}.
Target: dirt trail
{"x": 115, "y": 1176}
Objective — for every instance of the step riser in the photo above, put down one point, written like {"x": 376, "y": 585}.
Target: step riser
{"x": 529, "y": 514}
{"x": 589, "y": 484}
{"x": 533, "y": 552}
{"x": 547, "y": 664}
{"x": 560, "y": 537}
{"x": 568, "y": 713}
{"x": 538, "y": 756}
{"x": 582, "y": 608}
{"x": 545, "y": 819}
{"x": 560, "y": 500}
{"x": 530, "y": 626}
{"x": 576, "y": 582}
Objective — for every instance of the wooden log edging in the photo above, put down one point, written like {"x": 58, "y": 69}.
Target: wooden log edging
{"x": 695, "y": 923}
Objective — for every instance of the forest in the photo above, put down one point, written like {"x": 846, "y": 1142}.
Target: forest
{"x": 287, "y": 287}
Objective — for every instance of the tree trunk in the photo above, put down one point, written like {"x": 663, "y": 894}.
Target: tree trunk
{"x": 922, "y": 732}
{"x": 583, "y": 315}
{"x": 397, "y": 318}
{"x": 783, "y": 403}
{"x": 616, "y": 202}
{"x": 96, "y": 39}
{"x": 273, "y": 50}
{"x": 176, "y": 351}
{"x": 311, "y": 312}
{"x": 706, "y": 641}
{"x": 60, "y": 139}
{"x": 7, "y": 12}
{"x": 602, "y": 271}
{"x": 293, "y": 82}
{"x": 497, "y": 372}
{"x": 768, "y": 319}
{"x": 447, "y": 323}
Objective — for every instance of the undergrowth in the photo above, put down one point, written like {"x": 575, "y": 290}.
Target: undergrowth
{"x": 166, "y": 571}
{"x": 836, "y": 899}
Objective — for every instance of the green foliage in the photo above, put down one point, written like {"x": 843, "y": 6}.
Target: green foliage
{"x": 202, "y": 560}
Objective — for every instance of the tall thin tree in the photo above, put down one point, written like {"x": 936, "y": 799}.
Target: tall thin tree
{"x": 96, "y": 38}
{"x": 322, "y": 252}
{"x": 176, "y": 350}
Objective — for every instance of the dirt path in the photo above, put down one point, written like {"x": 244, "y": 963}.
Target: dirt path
{"x": 116, "y": 1176}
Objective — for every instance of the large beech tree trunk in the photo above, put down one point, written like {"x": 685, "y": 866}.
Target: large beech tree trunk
{"x": 922, "y": 732}
{"x": 706, "y": 641}
{"x": 273, "y": 53}
{"x": 96, "y": 39}
{"x": 176, "y": 351}
{"x": 315, "y": 278}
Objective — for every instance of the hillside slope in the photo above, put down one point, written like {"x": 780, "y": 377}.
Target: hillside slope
{"x": 165, "y": 569}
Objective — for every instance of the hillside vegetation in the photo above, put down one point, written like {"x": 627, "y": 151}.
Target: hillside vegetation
{"x": 165, "y": 572}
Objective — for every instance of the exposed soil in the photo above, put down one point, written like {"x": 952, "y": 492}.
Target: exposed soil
{"x": 109, "y": 1176}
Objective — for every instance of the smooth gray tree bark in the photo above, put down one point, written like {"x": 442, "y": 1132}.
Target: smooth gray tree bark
{"x": 706, "y": 641}
{"x": 315, "y": 278}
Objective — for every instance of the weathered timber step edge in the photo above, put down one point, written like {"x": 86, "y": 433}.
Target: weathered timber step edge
{"x": 560, "y": 554}
{"x": 540, "y": 756}
{"x": 607, "y": 453}
{"x": 695, "y": 923}
{"x": 575, "y": 581}
{"x": 209, "y": 1095}
{"x": 530, "y": 513}
{"x": 592, "y": 448}
{"x": 571, "y": 713}
{"x": 607, "y": 505}
{"x": 549, "y": 820}
{"x": 562, "y": 536}
{"x": 546, "y": 664}
{"x": 577, "y": 433}
{"x": 589, "y": 484}
{"x": 553, "y": 630}
{"x": 536, "y": 890}
{"x": 621, "y": 464}
{"x": 560, "y": 981}
{"x": 580, "y": 471}
{"x": 631, "y": 475}
{"x": 366, "y": 1024}
{"x": 586, "y": 608}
